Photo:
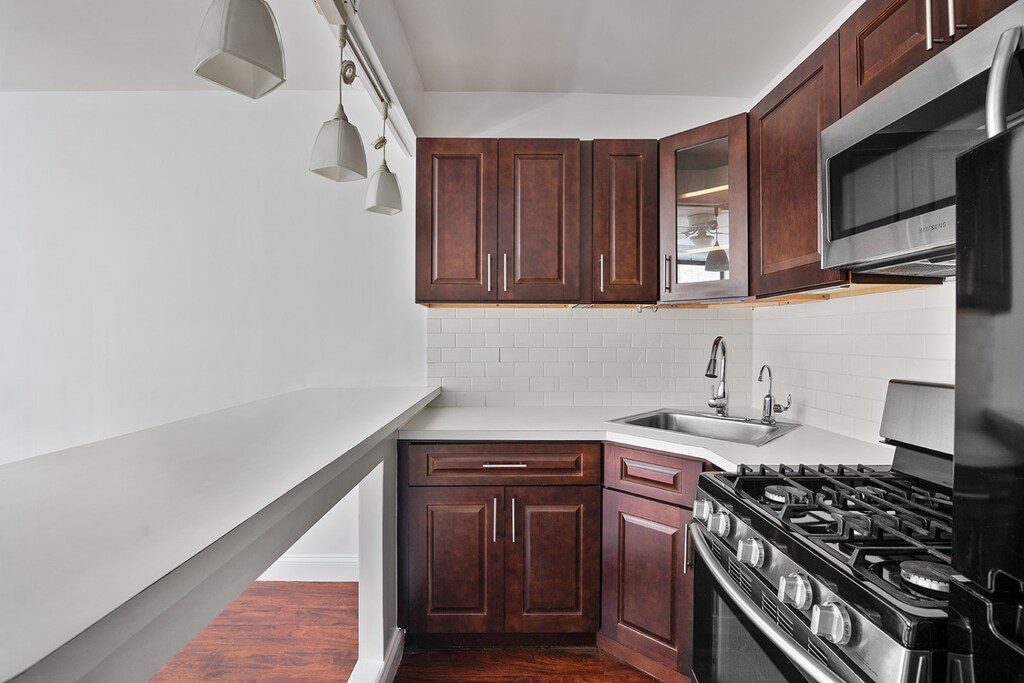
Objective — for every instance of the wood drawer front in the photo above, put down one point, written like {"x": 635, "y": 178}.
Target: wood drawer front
{"x": 483, "y": 464}
{"x": 662, "y": 477}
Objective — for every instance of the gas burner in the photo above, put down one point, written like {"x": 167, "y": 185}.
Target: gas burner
{"x": 777, "y": 493}
{"x": 930, "y": 576}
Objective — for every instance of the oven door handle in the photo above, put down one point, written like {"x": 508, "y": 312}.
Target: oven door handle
{"x": 809, "y": 666}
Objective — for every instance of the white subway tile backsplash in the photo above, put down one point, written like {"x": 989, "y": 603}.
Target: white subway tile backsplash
{"x": 583, "y": 356}
{"x": 836, "y": 357}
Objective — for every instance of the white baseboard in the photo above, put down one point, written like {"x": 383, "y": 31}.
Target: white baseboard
{"x": 377, "y": 671}
{"x": 393, "y": 656}
{"x": 313, "y": 568}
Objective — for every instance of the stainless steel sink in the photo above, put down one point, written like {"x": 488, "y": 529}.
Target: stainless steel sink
{"x": 745, "y": 430}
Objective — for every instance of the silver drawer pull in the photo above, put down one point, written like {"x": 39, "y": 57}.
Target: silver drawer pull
{"x": 494, "y": 525}
{"x": 651, "y": 468}
{"x": 503, "y": 465}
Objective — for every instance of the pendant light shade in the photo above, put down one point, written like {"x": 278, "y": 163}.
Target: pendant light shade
{"x": 240, "y": 47}
{"x": 384, "y": 195}
{"x": 718, "y": 259}
{"x": 338, "y": 151}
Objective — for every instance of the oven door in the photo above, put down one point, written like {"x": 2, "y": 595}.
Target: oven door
{"x": 734, "y": 641}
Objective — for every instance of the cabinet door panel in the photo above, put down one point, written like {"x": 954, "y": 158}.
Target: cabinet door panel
{"x": 625, "y": 221}
{"x": 553, "y": 560}
{"x": 455, "y": 559}
{"x": 456, "y": 219}
{"x": 539, "y": 220}
{"x": 785, "y": 192}
{"x": 703, "y": 212}
{"x": 884, "y": 40}
{"x": 648, "y": 582}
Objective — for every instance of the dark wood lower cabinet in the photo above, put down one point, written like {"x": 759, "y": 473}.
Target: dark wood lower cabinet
{"x": 493, "y": 559}
{"x": 647, "y": 604}
{"x": 456, "y": 556}
{"x": 553, "y": 559}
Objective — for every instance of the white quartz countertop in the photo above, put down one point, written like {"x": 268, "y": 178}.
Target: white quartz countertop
{"x": 84, "y": 530}
{"x": 805, "y": 445}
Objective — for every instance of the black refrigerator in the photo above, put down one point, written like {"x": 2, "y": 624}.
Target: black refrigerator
{"x": 986, "y": 598}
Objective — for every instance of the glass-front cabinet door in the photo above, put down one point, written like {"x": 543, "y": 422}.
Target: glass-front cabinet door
{"x": 704, "y": 212}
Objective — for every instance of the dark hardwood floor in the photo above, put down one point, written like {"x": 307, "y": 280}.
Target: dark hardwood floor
{"x": 296, "y": 631}
{"x": 275, "y": 631}
{"x": 516, "y": 665}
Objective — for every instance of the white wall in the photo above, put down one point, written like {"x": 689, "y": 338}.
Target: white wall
{"x": 169, "y": 254}
{"x": 569, "y": 115}
{"x": 560, "y": 356}
{"x": 836, "y": 357}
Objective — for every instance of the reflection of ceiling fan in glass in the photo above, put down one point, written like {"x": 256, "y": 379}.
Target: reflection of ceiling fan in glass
{"x": 701, "y": 231}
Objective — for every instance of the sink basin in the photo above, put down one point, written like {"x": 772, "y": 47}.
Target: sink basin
{"x": 743, "y": 430}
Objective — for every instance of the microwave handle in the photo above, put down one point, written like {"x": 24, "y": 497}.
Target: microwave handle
{"x": 800, "y": 658}
{"x": 995, "y": 97}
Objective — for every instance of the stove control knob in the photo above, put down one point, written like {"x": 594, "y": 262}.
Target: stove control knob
{"x": 831, "y": 621}
{"x": 702, "y": 509}
{"x": 719, "y": 523}
{"x": 795, "y": 590}
{"x": 751, "y": 551}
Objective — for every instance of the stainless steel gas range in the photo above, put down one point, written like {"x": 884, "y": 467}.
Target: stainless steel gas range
{"x": 831, "y": 574}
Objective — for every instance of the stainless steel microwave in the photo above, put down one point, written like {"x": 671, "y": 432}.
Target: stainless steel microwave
{"x": 888, "y": 167}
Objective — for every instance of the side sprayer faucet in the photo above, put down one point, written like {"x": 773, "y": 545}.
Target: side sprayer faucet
{"x": 769, "y": 407}
{"x": 719, "y": 395}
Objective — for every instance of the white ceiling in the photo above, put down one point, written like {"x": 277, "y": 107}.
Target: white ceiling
{"x": 650, "y": 47}
{"x": 729, "y": 48}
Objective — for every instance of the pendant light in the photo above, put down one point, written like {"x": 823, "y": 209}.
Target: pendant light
{"x": 384, "y": 195}
{"x": 718, "y": 258}
{"x": 338, "y": 150}
{"x": 240, "y": 47}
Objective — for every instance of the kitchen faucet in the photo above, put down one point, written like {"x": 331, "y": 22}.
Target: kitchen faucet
{"x": 768, "y": 404}
{"x": 719, "y": 395}
{"x": 769, "y": 407}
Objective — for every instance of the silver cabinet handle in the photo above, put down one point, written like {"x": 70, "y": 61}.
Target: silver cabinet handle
{"x": 504, "y": 267}
{"x": 488, "y": 272}
{"x": 513, "y": 520}
{"x": 951, "y": 10}
{"x": 497, "y": 465}
{"x": 929, "y": 41}
{"x": 995, "y": 96}
{"x": 800, "y": 658}
{"x": 494, "y": 522}
{"x": 660, "y": 469}
{"x": 668, "y": 272}
{"x": 602, "y": 272}
{"x": 686, "y": 547}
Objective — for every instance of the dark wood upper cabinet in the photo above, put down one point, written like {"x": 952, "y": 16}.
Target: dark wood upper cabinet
{"x": 648, "y": 580}
{"x": 553, "y": 559}
{"x": 456, "y": 219}
{"x": 885, "y": 39}
{"x": 785, "y": 192}
{"x": 456, "y": 552}
{"x": 622, "y": 260}
{"x": 539, "y": 220}
{"x": 703, "y": 207}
